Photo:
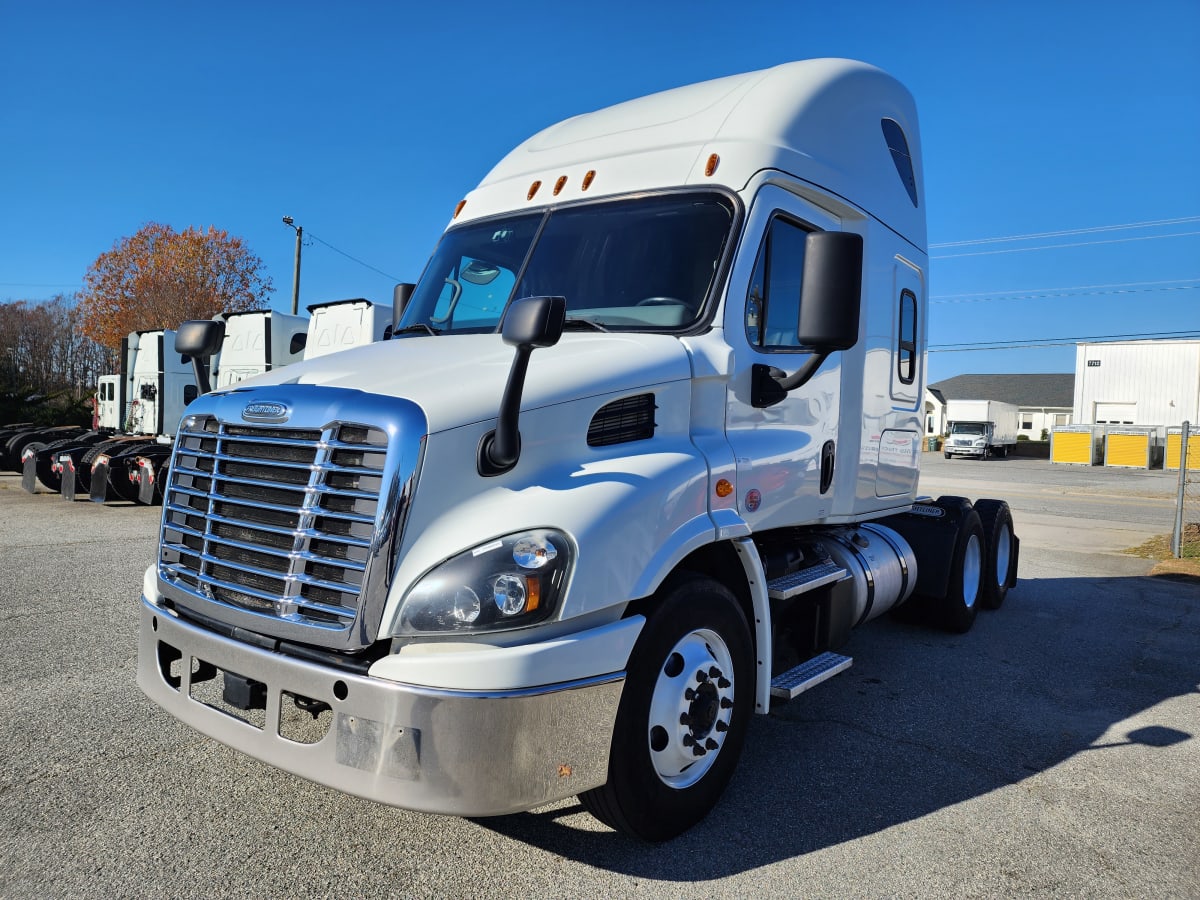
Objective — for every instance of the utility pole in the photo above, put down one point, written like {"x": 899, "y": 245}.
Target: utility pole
{"x": 287, "y": 220}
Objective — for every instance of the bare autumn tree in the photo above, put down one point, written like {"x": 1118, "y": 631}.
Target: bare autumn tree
{"x": 48, "y": 367}
{"x": 159, "y": 277}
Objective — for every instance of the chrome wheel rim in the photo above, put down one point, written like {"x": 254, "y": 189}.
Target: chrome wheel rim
{"x": 971, "y": 570}
{"x": 691, "y": 708}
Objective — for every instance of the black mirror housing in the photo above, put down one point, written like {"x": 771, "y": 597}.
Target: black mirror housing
{"x": 401, "y": 294}
{"x": 831, "y": 291}
{"x": 534, "y": 321}
{"x": 199, "y": 338}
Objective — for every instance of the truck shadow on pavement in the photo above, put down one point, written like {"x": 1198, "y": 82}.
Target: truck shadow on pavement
{"x": 924, "y": 721}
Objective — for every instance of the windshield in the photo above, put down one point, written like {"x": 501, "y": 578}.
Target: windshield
{"x": 968, "y": 428}
{"x": 641, "y": 264}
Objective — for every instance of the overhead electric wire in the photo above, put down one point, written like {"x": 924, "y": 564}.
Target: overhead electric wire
{"x": 1029, "y": 343}
{"x": 352, "y": 258}
{"x": 1184, "y": 220}
{"x": 1144, "y": 237}
{"x": 1065, "y": 292}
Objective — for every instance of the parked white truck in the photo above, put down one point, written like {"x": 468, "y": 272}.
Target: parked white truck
{"x": 643, "y": 449}
{"x": 344, "y": 324}
{"x": 980, "y": 428}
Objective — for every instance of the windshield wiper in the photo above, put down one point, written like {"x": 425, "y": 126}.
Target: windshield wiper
{"x": 580, "y": 324}
{"x": 419, "y": 327}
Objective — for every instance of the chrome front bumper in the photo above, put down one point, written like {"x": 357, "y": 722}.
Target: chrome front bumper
{"x": 464, "y": 753}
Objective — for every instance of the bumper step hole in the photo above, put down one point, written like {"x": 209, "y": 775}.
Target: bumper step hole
{"x": 233, "y": 694}
{"x": 303, "y": 720}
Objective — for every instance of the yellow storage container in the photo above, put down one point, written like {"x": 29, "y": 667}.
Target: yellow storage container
{"x": 1074, "y": 447}
{"x": 1174, "y": 440}
{"x": 1128, "y": 449}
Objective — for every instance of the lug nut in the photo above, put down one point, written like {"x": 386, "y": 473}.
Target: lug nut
{"x": 711, "y": 744}
{"x": 714, "y": 672}
{"x": 724, "y": 682}
{"x": 688, "y": 740}
{"x": 721, "y": 726}
{"x": 698, "y": 751}
{"x": 685, "y": 719}
{"x": 702, "y": 676}
{"x": 726, "y": 703}
{"x": 689, "y": 695}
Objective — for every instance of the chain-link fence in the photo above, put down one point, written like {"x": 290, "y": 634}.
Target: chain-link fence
{"x": 1185, "y": 539}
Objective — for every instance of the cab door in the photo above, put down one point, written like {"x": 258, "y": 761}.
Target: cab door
{"x": 784, "y": 452}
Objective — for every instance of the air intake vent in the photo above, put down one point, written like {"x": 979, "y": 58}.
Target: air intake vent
{"x": 622, "y": 421}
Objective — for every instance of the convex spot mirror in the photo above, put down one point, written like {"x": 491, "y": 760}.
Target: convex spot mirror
{"x": 830, "y": 291}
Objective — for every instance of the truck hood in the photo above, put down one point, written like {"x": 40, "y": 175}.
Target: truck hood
{"x": 459, "y": 379}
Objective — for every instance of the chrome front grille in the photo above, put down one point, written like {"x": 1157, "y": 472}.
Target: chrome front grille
{"x": 281, "y": 523}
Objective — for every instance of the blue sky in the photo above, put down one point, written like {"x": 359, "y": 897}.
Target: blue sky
{"x": 367, "y": 122}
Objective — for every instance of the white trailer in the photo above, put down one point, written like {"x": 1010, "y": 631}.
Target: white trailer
{"x": 345, "y": 324}
{"x": 643, "y": 450}
{"x": 980, "y": 428}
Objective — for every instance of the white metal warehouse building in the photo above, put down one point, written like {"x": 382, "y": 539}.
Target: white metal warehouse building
{"x": 1149, "y": 384}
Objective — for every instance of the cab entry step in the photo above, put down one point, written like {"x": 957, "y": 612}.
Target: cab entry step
{"x": 787, "y": 586}
{"x": 809, "y": 674}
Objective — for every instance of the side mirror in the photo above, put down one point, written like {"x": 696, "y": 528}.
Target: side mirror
{"x": 528, "y": 323}
{"x": 200, "y": 339}
{"x": 401, "y": 294}
{"x": 534, "y": 321}
{"x": 830, "y": 303}
{"x": 831, "y": 291}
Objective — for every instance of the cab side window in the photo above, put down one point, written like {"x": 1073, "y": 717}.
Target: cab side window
{"x": 906, "y": 352}
{"x": 773, "y": 304}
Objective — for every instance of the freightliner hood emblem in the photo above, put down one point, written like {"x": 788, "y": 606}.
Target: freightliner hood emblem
{"x": 265, "y": 411}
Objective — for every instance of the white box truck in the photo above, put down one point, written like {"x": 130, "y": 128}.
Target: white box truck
{"x": 980, "y": 428}
{"x": 642, "y": 451}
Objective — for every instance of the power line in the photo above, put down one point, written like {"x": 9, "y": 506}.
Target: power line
{"x": 1065, "y": 233}
{"x": 1068, "y": 293}
{"x": 1080, "y": 287}
{"x": 352, "y": 258}
{"x": 1029, "y": 343}
{"x": 1145, "y": 237}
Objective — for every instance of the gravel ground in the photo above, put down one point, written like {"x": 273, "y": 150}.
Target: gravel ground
{"x": 1052, "y": 751}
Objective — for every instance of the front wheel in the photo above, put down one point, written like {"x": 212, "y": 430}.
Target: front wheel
{"x": 689, "y": 693}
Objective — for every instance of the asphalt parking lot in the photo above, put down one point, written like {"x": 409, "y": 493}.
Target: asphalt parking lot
{"x": 1052, "y": 751}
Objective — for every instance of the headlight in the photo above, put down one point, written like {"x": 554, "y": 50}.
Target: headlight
{"x": 980, "y": 443}
{"x": 510, "y": 582}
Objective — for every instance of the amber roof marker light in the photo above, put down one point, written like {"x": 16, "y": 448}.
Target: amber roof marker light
{"x": 711, "y": 166}
{"x": 533, "y": 189}
{"x": 589, "y": 178}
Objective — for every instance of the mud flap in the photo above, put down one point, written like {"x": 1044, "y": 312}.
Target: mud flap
{"x": 145, "y": 481}
{"x": 29, "y": 471}
{"x": 69, "y": 479}
{"x": 99, "y": 493}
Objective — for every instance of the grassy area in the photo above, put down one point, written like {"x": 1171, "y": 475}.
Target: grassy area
{"x": 1160, "y": 548}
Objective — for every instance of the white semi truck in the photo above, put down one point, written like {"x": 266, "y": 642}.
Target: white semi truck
{"x": 642, "y": 451}
{"x": 344, "y": 324}
{"x": 980, "y": 428}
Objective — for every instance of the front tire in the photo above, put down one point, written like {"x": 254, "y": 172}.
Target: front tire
{"x": 689, "y": 692}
